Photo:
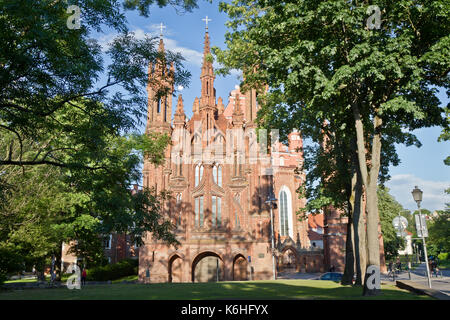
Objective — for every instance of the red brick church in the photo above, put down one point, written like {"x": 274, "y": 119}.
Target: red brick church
{"x": 221, "y": 176}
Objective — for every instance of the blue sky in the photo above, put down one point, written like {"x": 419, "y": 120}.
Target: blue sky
{"x": 185, "y": 32}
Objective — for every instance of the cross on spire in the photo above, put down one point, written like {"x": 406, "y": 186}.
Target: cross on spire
{"x": 161, "y": 27}
{"x": 206, "y": 20}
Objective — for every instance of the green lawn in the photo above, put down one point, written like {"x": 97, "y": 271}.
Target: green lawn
{"x": 64, "y": 278}
{"x": 280, "y": 289}
{"x": 128, "y": 278}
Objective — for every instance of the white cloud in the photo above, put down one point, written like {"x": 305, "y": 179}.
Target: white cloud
{"x": 192, "y": 57}
{"x": 434, "y": 197}
{"x": 106, "y": 39}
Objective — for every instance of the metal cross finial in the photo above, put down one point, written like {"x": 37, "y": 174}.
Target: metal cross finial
{"x": 206, "y": 20}
{"x": 161, "y": 27}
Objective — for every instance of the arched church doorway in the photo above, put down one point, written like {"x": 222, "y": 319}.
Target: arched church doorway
{"x": 240, "y": 268}
{"x": 288, "y": 261}
{"x": 175, "y": 269}
{"x": 207, "y": 267}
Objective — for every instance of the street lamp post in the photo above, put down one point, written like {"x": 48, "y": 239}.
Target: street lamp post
{"x": 417, "y": 195}
{"x": 271, "y": 201}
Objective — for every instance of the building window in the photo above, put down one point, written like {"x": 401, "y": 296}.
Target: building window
{"x": 281, "y": 161}
{"x": 165, "y": 109}
{"x": 158, "y": 109}
{"x": 179, "y": 220}
{"x": 217, "y": 175}
{"x": 237, "y": 222}
{"x": 107, "y": 242}
{"x": 284, "y": 222}
{"x": 199, "y": 212}
{"x": 216, "y": 211}
{"x": 198, "y": 174}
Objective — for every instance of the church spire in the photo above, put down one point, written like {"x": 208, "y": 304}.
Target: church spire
{"x": 160, "y": 89}
{"x": 207, "y": 77}
{"x": 179, "y": 118}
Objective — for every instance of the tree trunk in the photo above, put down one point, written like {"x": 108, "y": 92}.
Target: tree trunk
{"x": 40, "y": 268}
{"x": 370, "y": 184}
{"x": 58, "y": 263}
{"x": 359, "y": 227}
{"x": 359, "y": 224}
{"x": 349, "y": 271}
{"x": 373, "y": 243}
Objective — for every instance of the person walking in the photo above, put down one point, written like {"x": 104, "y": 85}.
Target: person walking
{"x": 83, "y": 277}
{"x": 434, "y": 268}
{"x": 431, "y": 265}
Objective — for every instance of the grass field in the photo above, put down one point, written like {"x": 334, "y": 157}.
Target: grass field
{"x": 280, "y": 289}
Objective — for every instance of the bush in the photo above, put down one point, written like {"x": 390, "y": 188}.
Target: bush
{"x": 123, "y": 268}
{"x": 3, "y": 277}
{"x": 443, "y": 256}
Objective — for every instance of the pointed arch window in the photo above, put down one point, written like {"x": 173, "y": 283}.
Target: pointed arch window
{"x": 216, "y": 211}
{"x": 217, "y": 175}
{"x": 165, "y": 109}
{"x": 285, "y": 212}
{"x": 158, "y": 108}
{"x": 178, "y": 205}
{"x": 198, "y": 174}
{"x": 199, "y": 212}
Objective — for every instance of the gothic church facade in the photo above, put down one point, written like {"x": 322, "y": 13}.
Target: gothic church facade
{"x": 222, "y": 219}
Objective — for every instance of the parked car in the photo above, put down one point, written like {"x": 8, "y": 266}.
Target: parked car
{"x": 331, "y": 276}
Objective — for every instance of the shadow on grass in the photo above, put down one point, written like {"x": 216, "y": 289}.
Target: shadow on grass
{"x": 257, "y": 290}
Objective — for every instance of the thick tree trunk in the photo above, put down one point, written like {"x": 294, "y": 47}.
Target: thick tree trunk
{"x": 359, "y": 227}
{"x": 370, "y": 184}
{"x": 359, "y": 223}
{"x": 373, "y": 243}
{"x": 58, "y": 270}
{"x": 349, "y": 271}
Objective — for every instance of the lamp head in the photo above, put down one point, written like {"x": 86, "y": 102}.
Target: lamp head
{"x": 271, "y": 200}
{"x": 417, "y": 195}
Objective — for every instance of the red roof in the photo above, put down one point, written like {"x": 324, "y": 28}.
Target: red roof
{"x": 315, "y": 220}
{"x": 314, "y": 236}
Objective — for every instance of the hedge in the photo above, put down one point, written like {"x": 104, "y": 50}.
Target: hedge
{"x": 123, "y": 268}
{"x": 443, "y": 256}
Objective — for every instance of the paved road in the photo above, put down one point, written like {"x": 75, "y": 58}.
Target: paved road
{"x": 419, "y": 275}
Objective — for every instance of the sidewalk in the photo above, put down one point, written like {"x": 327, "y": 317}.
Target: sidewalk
{"x": 298, "y": 275}
{"x": 420, "y": 281}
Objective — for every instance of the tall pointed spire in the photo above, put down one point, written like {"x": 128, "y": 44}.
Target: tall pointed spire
{"x": 238, "y": 115}
{"x": 179, "y": 116}
{"x": 159, "y": 89}
{"x": 161, "y": 45}
{"x": 180, "y": 109}
{"x": 196, "y": 105}
{"x": 207, "y": 68}
{"x": 220, "y": 106}
{"x": 207, "y": 77}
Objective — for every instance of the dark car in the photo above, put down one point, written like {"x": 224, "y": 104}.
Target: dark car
{"x": 331, "y": 276}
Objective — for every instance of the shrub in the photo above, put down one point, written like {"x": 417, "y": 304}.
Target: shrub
{"x": 443, "y": 256}
{"x": 114, "y": 271}
{"x": 3, "y": 277}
